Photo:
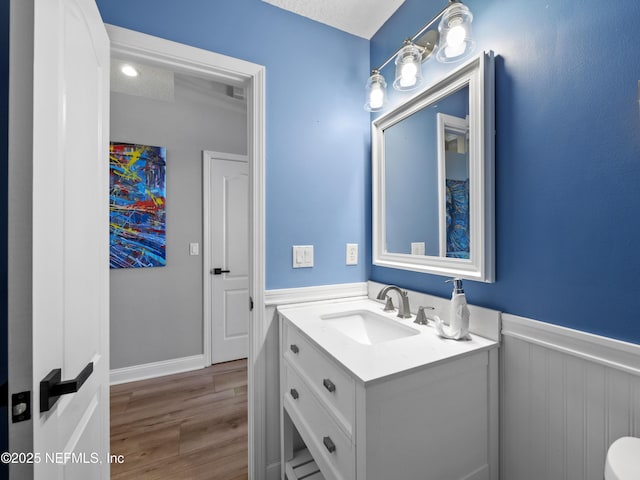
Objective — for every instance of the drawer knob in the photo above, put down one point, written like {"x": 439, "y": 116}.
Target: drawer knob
{"x": 329, "y": 385}
{"x": 294, "y": 348}
{"x": 329, "y": 445}
{"x": 294, "y": 393}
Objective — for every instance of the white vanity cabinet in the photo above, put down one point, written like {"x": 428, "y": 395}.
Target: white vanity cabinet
{"x": 433, "y": 418}
{"x": 320, "y": 398}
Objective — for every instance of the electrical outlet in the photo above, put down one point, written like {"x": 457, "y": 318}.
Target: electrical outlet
{"x": 352, "y": 253}
{"x": 418, "y": 248}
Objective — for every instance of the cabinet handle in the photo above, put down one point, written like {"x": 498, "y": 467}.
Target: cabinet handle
{"x": 328, "y": 443}
{"x": 294, "y": 348}
{"x": 329, "y": 385}
{"x": 294, "y": 393}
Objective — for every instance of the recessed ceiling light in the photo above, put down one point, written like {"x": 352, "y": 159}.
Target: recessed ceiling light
{"x": 129, "y": 71}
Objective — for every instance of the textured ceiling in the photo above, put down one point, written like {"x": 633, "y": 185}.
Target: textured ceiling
{"x": 359, "y": 17}
{"x": 160, "y": 84}
{"x": 151, "y": 82}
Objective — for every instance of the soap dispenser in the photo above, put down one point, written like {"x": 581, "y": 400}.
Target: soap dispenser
{"x": 458, "y": 314}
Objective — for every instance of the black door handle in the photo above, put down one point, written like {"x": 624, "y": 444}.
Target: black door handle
{"x": 219, "y": 271}
{"x": 52, "y": 386}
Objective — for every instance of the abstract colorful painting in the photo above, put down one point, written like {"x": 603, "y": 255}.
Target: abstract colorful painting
{"x": 137, "y": 205}
{"x": 457, "y": 218}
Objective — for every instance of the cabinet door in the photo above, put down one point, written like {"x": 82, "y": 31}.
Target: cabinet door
{"x": 431, "y": 424}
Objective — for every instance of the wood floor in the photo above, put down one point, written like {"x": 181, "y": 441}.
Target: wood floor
{"x": 190, "y": 426}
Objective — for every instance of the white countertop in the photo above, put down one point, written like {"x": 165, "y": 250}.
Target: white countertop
{"x": 373, "y": 362}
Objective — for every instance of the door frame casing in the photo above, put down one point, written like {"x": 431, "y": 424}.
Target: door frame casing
{"x": 194, "y": 61}
{"x": 208, "y": 157}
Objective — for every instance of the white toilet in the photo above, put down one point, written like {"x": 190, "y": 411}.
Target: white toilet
{"x": 623, "y": 460}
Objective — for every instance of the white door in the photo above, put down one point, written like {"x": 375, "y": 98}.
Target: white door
{"x": 70, "y": 283}
{"x": 229, "y": 255}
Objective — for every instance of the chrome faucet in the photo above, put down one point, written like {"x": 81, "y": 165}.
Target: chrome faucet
{"x": 404, "y": 311}
{"x": 421, "y": 317}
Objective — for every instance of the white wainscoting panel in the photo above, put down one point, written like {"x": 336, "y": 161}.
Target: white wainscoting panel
{"x": 565, "y": 397}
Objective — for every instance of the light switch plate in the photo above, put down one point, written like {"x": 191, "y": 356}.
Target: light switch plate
{"x": 352, "y": 253}
{"x": 194, "y": 249}
{"x": 302, "y": 256}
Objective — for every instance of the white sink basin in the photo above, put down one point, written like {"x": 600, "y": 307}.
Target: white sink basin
{"x": 367, "y": 327}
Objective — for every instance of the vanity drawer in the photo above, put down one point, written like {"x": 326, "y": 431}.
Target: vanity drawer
{"x": 330, "y": 383}
{"x": 331, "y": 448}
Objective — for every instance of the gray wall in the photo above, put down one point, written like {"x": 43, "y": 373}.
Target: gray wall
{"x": 156, "y": 313}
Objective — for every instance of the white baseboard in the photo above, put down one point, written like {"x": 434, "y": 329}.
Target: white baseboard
{"x": 156, "y": 369}
{"x": 286, "y": 296}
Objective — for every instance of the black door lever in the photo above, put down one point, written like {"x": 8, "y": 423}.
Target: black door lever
{"x": 219, "y": 271}
{"x": 52, "y": 386}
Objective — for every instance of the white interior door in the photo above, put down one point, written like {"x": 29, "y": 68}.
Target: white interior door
{"x": 229, "y": 255}
{"x": 70, "y": 238}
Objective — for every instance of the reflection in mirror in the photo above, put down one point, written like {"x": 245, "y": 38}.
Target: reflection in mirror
{"x": 453, "y": 181}
{"x": 427, "y": 181}
{"x": 433, "y": 178}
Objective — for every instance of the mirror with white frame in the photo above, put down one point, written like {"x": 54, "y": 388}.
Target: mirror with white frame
{"x": 433, "y": 178}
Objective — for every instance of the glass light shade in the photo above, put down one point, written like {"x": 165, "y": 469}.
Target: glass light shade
{"x": 376, "y": 92}
{"x": 408, "y": 67}
{"x": 456, "y": 41}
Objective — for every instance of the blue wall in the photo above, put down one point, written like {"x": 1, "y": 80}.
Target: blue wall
{"x": 317, "y": 164}
{"x": 567, "y": 159}
{"x": 567, "y": 151}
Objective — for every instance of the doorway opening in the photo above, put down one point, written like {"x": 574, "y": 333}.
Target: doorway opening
{"x": 212, "y": 67}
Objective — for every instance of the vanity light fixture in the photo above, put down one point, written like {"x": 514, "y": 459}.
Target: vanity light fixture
{"x": 455, "y": 30}
{"x": 456, "y": 43}
{"x": 376, "y": 91}
{"x": 408, "y": 67}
